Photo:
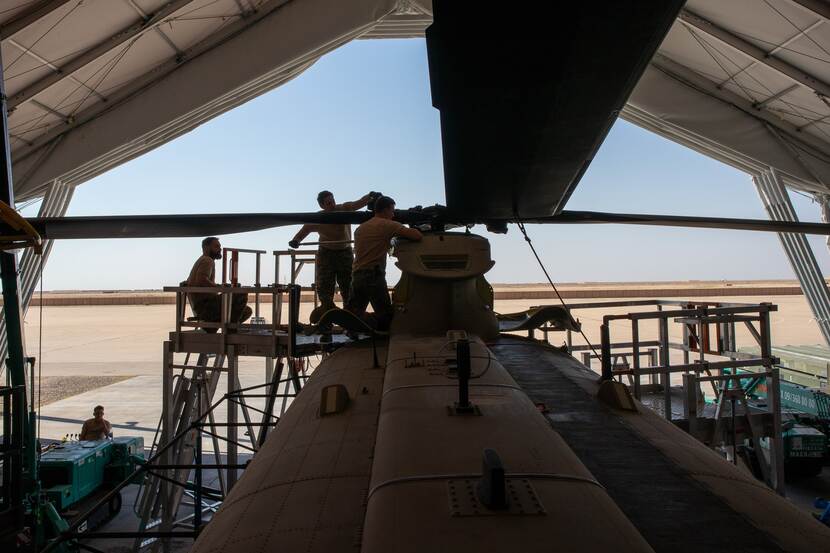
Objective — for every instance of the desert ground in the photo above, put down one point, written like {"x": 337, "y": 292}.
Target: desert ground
{"x": 112, "y": 354}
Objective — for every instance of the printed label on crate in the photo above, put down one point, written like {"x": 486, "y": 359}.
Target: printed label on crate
{"x": 798, "y": 400}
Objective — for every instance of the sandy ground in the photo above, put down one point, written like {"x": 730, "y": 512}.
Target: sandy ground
{"x": 127, "y": 339}
{"x": 88, "y": 350}
{"x": 56, "y": 388}
{"x": 500, "y": 286}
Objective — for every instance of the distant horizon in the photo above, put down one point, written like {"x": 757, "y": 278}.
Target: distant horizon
{"x": 494, "y": 284}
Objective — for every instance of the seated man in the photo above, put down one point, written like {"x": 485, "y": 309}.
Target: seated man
{"x": 208, "y": 307}
{"x": 371, "y": 244}
{"x": 96, "y": 428}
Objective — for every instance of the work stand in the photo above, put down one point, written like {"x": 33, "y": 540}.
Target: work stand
{"x": 206, "y": 435}
{"x": 199, "y": 358}
{"x": 736, "y": 421}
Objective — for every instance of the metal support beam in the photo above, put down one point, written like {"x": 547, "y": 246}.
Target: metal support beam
{"x": 57, "y": 70}
{"x": 774, "y": 51}
{"x": 110, "y": 141}
{"x": 692, "y": 79}
{"x": 817, "y": 7}
{"x": 777, "y": 203}
{"x": 758, "y": 54}
{"x": 13, "y": 314}
{"x": 146, "y": 17}
{"x": 233, "y": 411}
{"x": 54, "y": 204}
{"x": 33, "y": 14}
{"x": 824, "y": 202}
{"x": 777, "y": 96}
{"x": 96, "y": 52}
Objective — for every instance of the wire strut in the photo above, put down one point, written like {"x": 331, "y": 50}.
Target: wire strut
{"x": 521, "y": 226}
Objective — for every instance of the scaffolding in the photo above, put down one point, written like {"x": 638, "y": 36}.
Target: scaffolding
{"x": 200, "y": 357}
{"x": 708, "y": 331}
{"x": 189, "y": 387}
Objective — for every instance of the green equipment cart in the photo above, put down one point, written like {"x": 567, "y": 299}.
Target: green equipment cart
{"x": 74, "y": 474}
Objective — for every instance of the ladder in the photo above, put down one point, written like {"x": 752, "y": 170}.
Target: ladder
{"x": 193, "y": 391}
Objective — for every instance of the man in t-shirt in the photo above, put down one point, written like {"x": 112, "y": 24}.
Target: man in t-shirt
{"x": 208, "y": 307}
{"x": 96, "y": 428}
{"x": 371, "y": 244}
{"x": 334, "y": 254}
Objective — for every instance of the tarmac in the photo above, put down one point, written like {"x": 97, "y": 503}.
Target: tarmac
{"x": 126, "y": 340}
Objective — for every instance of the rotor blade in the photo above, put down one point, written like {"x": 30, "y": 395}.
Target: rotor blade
{"x": 159, "y": 226}
{"x": 525, "y": 106}
{"x": 597, "y": 217}
{"x": 192, "y": 225}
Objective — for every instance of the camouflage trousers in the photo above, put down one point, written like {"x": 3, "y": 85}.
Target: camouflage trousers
{"x": 369, "y": 286}
{"x": 333, "y": 267}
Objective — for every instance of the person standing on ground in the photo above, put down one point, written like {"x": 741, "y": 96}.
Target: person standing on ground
{"x": 208, "y": 307}
{"x": 96, "y": 428}
{"x": 371, "y": 244}
{"x": 333, "y": 264}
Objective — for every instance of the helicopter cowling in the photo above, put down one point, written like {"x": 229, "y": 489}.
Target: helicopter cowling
{"x": 442, "y": 285}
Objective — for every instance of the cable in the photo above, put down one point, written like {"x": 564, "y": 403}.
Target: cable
{"x": 521, "y": 226}
{"x": 27, "y": 49}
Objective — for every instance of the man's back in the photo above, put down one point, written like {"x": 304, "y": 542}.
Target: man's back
{"x": 202, "y": 270}
{"x": 204, "y": 267}
{"x": 372, "y": 242}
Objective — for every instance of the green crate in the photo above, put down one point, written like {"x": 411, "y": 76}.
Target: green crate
{"x": 73, "y": 470}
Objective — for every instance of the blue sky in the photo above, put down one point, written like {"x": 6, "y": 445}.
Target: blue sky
{"x": 361, "y": 119}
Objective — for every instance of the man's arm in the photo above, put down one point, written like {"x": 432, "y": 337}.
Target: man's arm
{"x": 304, "y": 231}
{"x": 84, "y": 430}
{"x": 357, "y": 204}
{"x": 409, "y": 233}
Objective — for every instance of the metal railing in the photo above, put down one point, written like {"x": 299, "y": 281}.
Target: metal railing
{"x": 297, "y": 259}
{"x": 709, "y": 329}
{"x": 224, "y": 324}
{"x": 230, "y": 271}
{"x": 204, "y": 499}
{"x": 12, "y": 399}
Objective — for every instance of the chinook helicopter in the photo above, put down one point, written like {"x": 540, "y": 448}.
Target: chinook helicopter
{"x": 439, "y": 444}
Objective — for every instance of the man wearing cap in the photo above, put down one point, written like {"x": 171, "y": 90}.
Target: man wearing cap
{"x": 371, "y": 244}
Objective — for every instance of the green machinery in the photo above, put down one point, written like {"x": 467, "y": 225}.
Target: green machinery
{"x": 72, "y": 477}
{"x": 806, "y": 424}
{"x": 74, "y": 471}
{"x": 805, "y": 407}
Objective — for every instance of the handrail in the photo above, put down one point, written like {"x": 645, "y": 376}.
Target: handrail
{"x": 269, "y": 289}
